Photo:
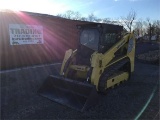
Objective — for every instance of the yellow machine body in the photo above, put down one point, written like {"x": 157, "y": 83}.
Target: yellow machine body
{"x": 103, "y": 59}
{"x": 100, "y": 62}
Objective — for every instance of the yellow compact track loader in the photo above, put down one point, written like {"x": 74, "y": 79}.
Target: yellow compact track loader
{"x": 104, "y": 58}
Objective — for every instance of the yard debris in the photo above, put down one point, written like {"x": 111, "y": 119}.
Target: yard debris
{"x": 149, "y": 57}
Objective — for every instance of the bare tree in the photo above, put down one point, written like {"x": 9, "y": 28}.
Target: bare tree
{"x": 106, "y": 20}
{"x": 156, "y": 25}
{"x": 139, "y": 27}
{"x": 92, "y": 17}
{"x": 149, "y": 28}
{"x": 69, "y": 14}
{"x": 117, "y": 22}
{"x": 83, "y": 19}
{"x": 156, "y": 29}
{"x": 128, "y": 20}
{"x": 99, "y": 20}
{"x": 60, "y": 15}
{"x": 76, "y": 16}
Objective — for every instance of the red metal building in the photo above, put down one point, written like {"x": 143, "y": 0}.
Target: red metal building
{"x": 59, "y": 34}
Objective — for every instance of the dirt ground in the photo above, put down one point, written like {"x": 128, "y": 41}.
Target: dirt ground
{"x": 137, "y": 98}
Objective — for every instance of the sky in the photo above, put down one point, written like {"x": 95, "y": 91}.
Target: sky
{"x": 113, "y": 9}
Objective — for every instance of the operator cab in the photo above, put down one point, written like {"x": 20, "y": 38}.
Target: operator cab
{"x": 96, "y": 37}
{"x": 90, "y": 38}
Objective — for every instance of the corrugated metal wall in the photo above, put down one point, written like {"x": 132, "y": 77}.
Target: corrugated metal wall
{"x": 59, "y": 35}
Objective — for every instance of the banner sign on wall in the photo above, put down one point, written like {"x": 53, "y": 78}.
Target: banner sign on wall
{"x": 25, "y": 34}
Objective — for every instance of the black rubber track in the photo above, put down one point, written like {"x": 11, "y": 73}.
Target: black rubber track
{"x": 109, "y": 72}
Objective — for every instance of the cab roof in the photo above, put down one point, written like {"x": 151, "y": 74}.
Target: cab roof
{"x": 105, "y": 27}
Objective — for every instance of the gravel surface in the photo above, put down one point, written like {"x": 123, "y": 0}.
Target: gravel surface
{"x": 136, "y": 98}
{"x": 148, "y": 53}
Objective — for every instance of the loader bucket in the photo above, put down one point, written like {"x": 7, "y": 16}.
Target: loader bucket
{"x": 72, "y": 93}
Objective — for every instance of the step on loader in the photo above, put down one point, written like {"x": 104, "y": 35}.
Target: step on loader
{"x": 104, "y": 58}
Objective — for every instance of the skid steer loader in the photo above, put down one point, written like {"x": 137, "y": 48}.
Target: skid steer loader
{"x": 103, "y": 59}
